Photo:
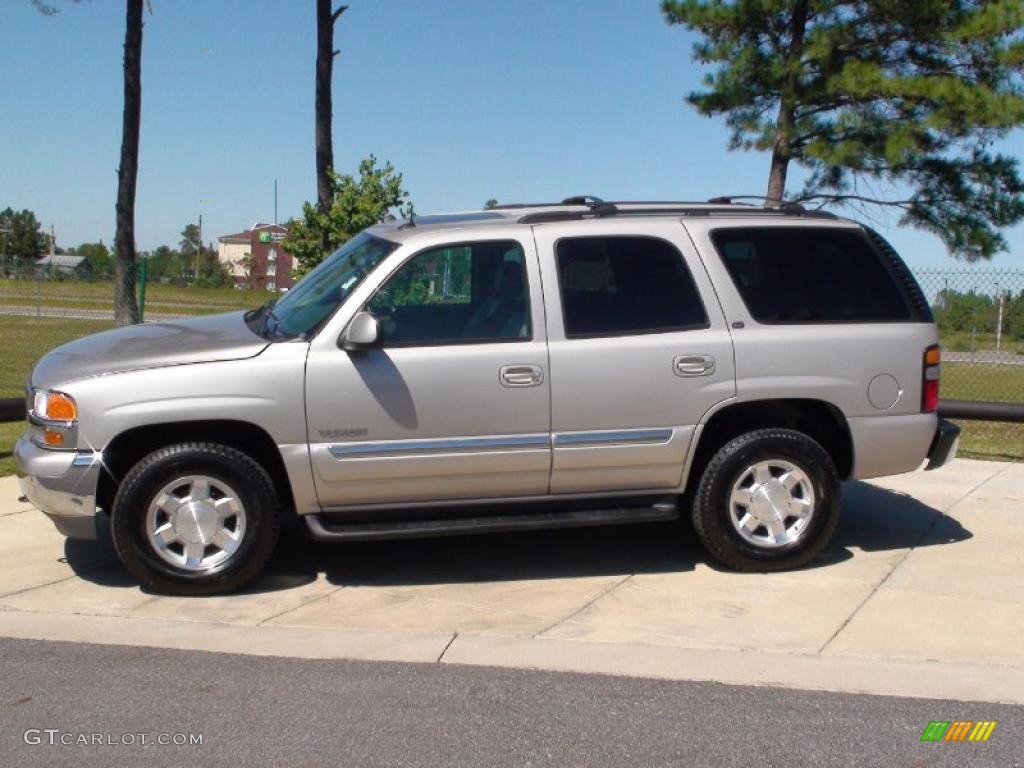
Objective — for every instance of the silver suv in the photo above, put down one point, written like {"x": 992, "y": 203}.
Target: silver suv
{"x": 526, "y": 367}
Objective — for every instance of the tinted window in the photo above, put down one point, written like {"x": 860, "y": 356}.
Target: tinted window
{"x": 311, "y": 300}
{"x": 810, "y": 275}
{"x": 470, "y": 292}
{"x": 623, "y": 285}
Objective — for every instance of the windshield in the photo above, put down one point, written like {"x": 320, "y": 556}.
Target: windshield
{"x": 315, "y": 296}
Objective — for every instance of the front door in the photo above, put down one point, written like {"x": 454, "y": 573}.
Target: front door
{"x": 639, "y": 352}
{"x": 456, "y": 404}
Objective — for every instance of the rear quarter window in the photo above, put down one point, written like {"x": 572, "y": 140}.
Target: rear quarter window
{"x": 796, "y": 275}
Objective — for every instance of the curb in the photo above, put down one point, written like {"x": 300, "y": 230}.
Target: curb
{"x": 827, "y": 672}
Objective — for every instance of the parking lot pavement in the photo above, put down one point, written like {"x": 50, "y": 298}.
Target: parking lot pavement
{"x": 922, "y": 593}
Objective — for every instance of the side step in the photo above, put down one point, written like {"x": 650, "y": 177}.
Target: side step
{"x": 322, "y": 528}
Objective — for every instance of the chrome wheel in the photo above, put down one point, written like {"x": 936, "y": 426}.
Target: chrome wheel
{"x": 195, "y": 522}
{"x": 771, "y": 503}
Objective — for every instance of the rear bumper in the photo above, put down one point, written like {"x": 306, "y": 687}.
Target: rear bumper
{"x": 944, "y": 445}
{"x": 61, "y": 484}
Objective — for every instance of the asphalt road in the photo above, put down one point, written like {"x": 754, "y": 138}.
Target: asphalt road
{"x": 259, "y": 711}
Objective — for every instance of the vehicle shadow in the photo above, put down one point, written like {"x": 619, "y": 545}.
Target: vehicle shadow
{"x": 874, "y": 519}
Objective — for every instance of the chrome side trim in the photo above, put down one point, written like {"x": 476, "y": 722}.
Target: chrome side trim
{"x": 614, "y": 437}
{"x": 449, "y": 445}
{"x": 39, "y": 421}
{"x": 85, "y": 458}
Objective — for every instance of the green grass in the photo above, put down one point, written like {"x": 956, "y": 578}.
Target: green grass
{"x": 26, "y": 339}
{"x": 159, "y": 297}
{"x": 8, "y": 434}
{"x": 979, "y": 381}
{"x": 991, "y": 440}
{"x": 965, "y": 341}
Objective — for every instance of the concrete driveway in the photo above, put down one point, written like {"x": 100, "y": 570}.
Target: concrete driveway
{"x": 922, "y": 593}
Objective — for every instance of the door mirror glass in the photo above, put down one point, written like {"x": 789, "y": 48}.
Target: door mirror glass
{"x": 362, "y": 333}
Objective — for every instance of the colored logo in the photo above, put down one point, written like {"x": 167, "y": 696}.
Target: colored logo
{"x": 958, "y": 730}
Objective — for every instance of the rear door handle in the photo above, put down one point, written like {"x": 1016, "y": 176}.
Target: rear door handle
{"x": 521, "y": 375}
{"x": 693, "y": 365}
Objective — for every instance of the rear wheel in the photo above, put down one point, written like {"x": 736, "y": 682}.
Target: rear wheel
{"x": 195, "y": 519}
{"x": 768, "y": 500}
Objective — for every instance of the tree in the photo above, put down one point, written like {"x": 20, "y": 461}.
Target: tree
{"x": 126, "y": 309}
{"x": 45, "y": 8}
{"x": 98, "y": 256}
{"x": 869, "y": 95}
{"x": 20, "y": 233}
{"x": 166, "y": 265}
{"x": 190, "y": 243}
{"x": 325, "y": 53}
{"x": 246, "y": 265}
{"x": 212, "y": 273}
{"x": 491, "y": 202}
{"x": 355, "y": 204}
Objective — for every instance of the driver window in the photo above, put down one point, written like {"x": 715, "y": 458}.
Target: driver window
{"x": 457, "y": 294}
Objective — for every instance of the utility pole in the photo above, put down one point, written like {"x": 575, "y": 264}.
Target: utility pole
{"x": 999, "y": 322}
{"x": 275, "y": 202}
{"x": 199, "y": 250}
{"x": 5, "y": 230}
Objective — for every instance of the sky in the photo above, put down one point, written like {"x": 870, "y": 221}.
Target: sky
{"x": 525, "y": 101}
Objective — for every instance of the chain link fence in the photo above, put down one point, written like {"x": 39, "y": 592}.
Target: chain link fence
{"x": 980, "y": 314}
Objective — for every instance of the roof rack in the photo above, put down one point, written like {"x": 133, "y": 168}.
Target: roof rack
{"x": 603, "y": 210}
{"x": 577, "y": 200}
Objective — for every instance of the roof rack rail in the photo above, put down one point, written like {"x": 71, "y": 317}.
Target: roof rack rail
{"x": 593, "y": 200}
{"x": 612, "y": 209}
{"x": 590, "y": 200}
{"x": 782, "y": 204}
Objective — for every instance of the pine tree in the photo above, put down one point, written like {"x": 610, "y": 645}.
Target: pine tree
{"x": 888, "y": 102}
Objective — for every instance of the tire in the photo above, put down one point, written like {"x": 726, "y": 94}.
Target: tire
{"x": 777, "y": 531}
{"x": 217, "y": 504}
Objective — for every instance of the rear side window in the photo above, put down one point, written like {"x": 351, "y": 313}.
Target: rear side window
{"x": 810, "y": 275}
{"x": 614, "y": 286}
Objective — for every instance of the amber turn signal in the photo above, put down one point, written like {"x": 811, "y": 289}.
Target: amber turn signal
{"x": 61, "y": 407}
{"x": 932, "y": 356}
{"x": 50, "y": 437}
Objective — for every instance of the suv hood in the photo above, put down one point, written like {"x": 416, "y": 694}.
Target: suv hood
{"x": 151, "y": 345}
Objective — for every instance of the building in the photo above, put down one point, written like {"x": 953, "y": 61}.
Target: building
{"x": 255, "y": 258}
{"x": 67, "y": 264}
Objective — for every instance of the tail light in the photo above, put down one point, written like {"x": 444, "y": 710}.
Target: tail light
{"x": 930, "y": 380}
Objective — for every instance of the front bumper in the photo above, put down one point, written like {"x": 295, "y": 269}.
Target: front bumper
{"x": 944, "y": 445}
{"x": 61, "y": 484}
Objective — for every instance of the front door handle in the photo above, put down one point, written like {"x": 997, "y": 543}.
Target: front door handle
{"x": 693, "y": 365}
{"x": 521, "y": 375}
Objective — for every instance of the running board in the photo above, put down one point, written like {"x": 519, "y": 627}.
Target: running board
{"x": 323, "y": 529}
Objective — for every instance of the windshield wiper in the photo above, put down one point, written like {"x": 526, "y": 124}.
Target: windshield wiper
{"x": 256, "y": 319}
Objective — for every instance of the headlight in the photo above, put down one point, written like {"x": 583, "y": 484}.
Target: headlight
{"x": 56, "y": 406}
{"x": 55, "y": 415}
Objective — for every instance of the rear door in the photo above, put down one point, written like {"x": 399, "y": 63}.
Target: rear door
{"x": 639, "y": 351}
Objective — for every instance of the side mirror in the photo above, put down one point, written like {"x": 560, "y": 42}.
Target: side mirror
{"x": 362, "y": 333}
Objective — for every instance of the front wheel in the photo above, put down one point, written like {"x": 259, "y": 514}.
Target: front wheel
{"x": 195, "y": 519}
{"x": 768, "y": 500}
